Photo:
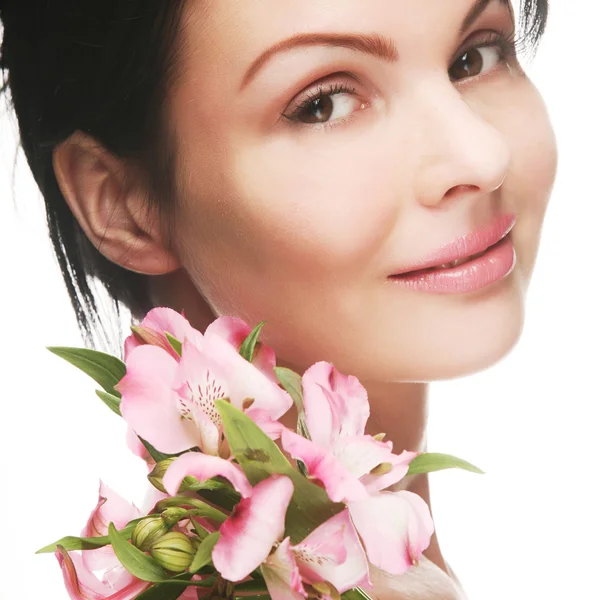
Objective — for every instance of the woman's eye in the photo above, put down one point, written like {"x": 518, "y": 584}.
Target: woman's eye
{"x": 475, "y": 61}
{"x": 326, "y": 107}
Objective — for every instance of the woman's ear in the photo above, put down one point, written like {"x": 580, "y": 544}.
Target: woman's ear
{"x": 111, "y": 208}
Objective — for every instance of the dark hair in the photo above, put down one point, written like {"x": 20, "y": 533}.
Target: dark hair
{"x": 104, "y": 67}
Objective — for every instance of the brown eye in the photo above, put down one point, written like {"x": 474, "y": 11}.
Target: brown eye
{"x": 333, "y": 104}
{"x": 318, "y": 110}
{"x": 475, "y": 62}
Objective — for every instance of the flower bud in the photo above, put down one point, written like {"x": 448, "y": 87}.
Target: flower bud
{"x": 173, "y": 551}
{"x": 147, "y": 531}
{"x": 155, "y": 476}
{"x": 173, "y": 515}
{"x": 147, "y": 336}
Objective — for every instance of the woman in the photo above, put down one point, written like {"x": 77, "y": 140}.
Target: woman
{"x": 369, "y": 178}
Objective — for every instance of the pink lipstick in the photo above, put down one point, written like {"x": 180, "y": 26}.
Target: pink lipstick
{"x": 466, "y": 264}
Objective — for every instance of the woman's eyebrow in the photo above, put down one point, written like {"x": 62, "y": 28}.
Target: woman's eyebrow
{"x": 372, "y": 43}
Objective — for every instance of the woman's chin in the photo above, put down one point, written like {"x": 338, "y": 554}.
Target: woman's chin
{"x": 455, "y": 343}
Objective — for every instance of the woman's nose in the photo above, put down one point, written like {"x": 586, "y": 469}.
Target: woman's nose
{"x": 459, "y": 151}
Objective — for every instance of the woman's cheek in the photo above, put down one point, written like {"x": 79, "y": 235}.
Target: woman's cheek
{"x": 531, "y": 178}
{"x": 333, "y": 207}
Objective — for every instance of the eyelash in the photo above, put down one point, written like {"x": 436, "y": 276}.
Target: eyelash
{"x": 318, "y": 94}
{"x": 506, "y": 43}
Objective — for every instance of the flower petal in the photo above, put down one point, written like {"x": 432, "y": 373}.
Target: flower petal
{"x": 81, "y": 584}
{"x": 335, "y": 404}
{"x": 245, "y": 381}
{"x": 341, "y": 485}
{"x": 282, "y": 575}
{"x": 137, "y": 448}
{"x": 333, "y": 553}
{"x": 361, "y": 454}
{"x": 204, "y": 467}
{"x": 149, "y": 403}
{"x": 199, "y": 382}
{"x": 395, "y": 528}
{"x": 235, "y": 331}
{"x": 256, "y": 523}
{"x": 163, "y": 320}
{"x": 110, "y": 508}
{"x": 400, "y": 465}
{"x": 269, "y": 426}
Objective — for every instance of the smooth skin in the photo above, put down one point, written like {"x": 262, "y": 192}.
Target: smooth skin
{"x": 308, "y": 175}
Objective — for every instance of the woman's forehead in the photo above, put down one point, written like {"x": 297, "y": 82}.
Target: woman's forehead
{"x": 234, "y": 39}
{"x": 254, "y": 26}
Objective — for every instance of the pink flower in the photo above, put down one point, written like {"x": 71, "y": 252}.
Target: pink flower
{"x": 257, "y": 521}
{"x": 110, "y": 508}
{"x": 395, "y": 527}
{"x": 138, "y": 449}
{"x": 117, "y": 583}
{"x": 331, "y": 553}
{"x": 163, "y": 320}
{"x": 204, "y": 467}
{"x": 255, "y": 525}
{"x": 349, "y": 463}
{"x": 82, "y": 584}
{"x": 171, "y": 404}
{"x": 235, "y": 331}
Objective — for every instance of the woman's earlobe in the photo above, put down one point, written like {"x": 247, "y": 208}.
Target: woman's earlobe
{"x": 111, "y": 206}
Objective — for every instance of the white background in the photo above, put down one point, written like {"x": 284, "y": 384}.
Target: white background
{"x": 525, "y": 530}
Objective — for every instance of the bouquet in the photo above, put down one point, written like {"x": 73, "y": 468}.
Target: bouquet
{"x": 243, "y": 506}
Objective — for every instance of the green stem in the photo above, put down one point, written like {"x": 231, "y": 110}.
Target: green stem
{"x": 204, "y": 509}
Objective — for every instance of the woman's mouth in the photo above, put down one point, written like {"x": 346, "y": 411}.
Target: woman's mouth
{"x": 467, "y": 273}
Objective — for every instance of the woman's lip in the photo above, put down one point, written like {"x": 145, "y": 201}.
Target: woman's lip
{"x": 463, "y": 247}
{"x": 495, "y": 264}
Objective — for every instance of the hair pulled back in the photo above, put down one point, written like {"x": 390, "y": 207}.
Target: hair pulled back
{"x": 104, "y": 67}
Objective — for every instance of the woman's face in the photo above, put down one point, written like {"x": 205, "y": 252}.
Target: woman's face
{"x": 324, "y": 146}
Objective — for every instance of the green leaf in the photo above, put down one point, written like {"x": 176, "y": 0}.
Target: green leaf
{"x": 224, "y": 498}
{"x": 113, "y": 402}
{"x": 203, "y": 555}
{"x": 191, "y": 484}
{"x": 78, "y": 543}
{"x": 154, "y": 453}
{"x": 140, "y": 565}
{"x": 356, "y": 594}
{"x": 161, "y": 592}
{"x": 173, "y": 588}
{"x": 429, "y": 462}
{"x": 175, "y": 343}
{"x": 104, "y": 369}
{"x": 259, "y": 457}
{"x": 258, "y": 585}
{"x": 199, "y": 529}
{"x": 249, "y": 344}
{"x": 292, "y": 384}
